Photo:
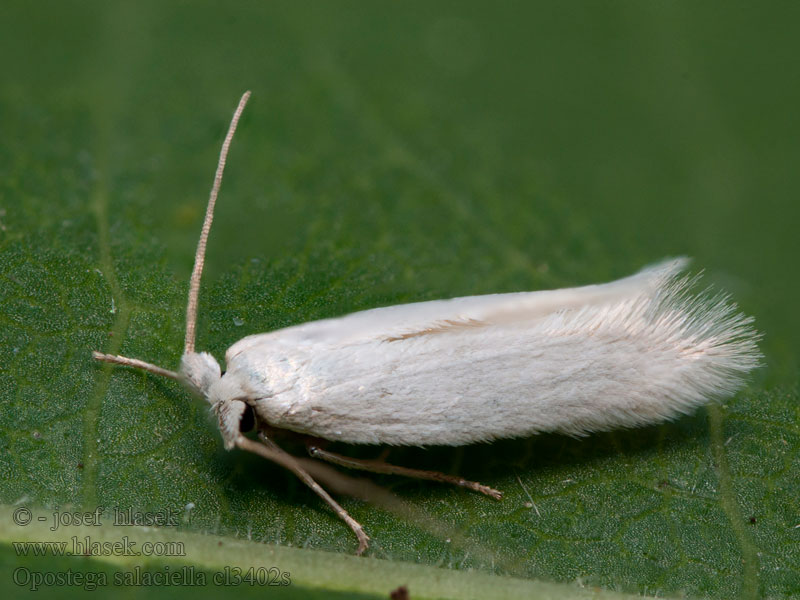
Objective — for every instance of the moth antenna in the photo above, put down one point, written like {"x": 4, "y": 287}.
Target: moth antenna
{"x": 136, "y": 363}
{"x": 200, "y": 255}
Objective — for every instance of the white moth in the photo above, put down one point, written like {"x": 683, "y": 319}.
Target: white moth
{"x": 632, "y": 352}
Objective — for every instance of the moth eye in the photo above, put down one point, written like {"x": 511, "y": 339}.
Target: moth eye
{"x": 221, "y": 374}
{"x": 248, "y": 420}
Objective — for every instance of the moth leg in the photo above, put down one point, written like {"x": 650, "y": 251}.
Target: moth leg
{"x": 271, "y": 451}
{"x": 379, "y": 466}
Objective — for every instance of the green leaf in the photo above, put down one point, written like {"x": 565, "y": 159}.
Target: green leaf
{"x": 394, "y": 153}
{"x": 245, "y": 567}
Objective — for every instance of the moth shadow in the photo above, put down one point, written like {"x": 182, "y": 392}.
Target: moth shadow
{"x": 494, "y": 464}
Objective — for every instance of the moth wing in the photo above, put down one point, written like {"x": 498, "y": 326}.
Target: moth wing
{"x": 440, "y": 316}
{"x": 634, "y": 351}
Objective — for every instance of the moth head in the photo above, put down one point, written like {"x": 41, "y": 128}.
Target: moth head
{"x": 201, "y": 373}
{"x": 234, "y": 417}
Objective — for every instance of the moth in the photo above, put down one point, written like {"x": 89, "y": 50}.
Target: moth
{"x": 633, "y": 352}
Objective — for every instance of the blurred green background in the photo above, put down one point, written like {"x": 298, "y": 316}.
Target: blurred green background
{"x": 397, "y": 152}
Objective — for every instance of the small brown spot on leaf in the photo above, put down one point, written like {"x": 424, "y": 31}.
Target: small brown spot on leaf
{"x": 400, "y": 593}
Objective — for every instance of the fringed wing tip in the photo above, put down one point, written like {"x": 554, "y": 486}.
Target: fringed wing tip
{"x": 711, "y": 324}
